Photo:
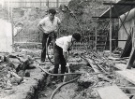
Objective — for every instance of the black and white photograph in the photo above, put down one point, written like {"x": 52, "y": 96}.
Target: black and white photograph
{"x": 67, "y": 49}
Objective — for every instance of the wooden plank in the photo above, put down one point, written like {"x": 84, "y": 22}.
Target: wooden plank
{"x": 120, "y": 66}
{"x": 131, "y": 88}
{"x": 117, "y": 59}
{"x": 27, "y": 43}
{"x": 132, "y": 71}
{"x": 129, "y": 75}
{"x": 95, "y": 68}
{"x": 112, "y": 92}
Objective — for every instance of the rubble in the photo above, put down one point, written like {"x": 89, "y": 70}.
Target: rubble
{"x": 19, "y": 70}
{"x": 13, "y": 69}
{"x": 85, "y": 80}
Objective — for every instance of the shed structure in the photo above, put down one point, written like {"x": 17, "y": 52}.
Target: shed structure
{"x": 124, "y": 12}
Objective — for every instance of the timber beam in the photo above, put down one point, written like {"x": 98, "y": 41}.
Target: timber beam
{"x": 124, "y": 4}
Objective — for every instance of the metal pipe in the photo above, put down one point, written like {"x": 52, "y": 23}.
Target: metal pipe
{"x": 59, "y": 74}
{"x": 52, "y": 96}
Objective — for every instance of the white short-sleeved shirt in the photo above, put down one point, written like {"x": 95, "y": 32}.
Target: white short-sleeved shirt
{"x": 48, "y": 25}
{"x": 64, "y": 42}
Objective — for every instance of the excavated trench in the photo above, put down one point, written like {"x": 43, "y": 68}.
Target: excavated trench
{"x": 67, "y": 91}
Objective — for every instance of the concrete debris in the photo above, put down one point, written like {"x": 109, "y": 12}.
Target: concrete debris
{"x": 118, "y": 50}
{"x": 1, "y": 59}
{"x": 27, "y": 64}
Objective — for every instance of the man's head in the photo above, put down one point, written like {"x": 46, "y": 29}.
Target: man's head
{"x": 52, "y": 13}
{"x": 76, "y": 37}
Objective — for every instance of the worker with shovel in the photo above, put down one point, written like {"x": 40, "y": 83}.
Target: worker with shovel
{"x": 62, "y": 45}
{"x": 49, "y": 26}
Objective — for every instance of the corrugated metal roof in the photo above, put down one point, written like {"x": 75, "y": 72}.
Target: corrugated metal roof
{"x": 119, "y": 8}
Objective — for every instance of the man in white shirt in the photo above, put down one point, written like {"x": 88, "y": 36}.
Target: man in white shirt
{"x": 49, "y": 26}
{"x": 62, "y": 45}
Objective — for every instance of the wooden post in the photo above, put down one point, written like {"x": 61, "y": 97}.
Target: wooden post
{"x": 2, "y": 4}
{"x": 10, "y": 18}
{"x": 12, "y": 26}
{"x": 8, "y": 9}
{"x": 95, "y": 38}
{"x": 40, "y": 3}
{"x": 57, "y": 3}
{"x": 110, "y": 28}
{"x": 47, "y": 3}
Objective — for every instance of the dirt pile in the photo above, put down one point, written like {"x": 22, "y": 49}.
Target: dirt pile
{"x": 13, "y": 69}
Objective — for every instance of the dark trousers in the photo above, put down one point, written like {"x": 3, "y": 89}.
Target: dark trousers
{"x": 51, "y": 37}
{"x": 59, "y": 60}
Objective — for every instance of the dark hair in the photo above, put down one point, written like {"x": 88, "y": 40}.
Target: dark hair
{"x": 52, "y": 11}
{"x": 77, "y": 36}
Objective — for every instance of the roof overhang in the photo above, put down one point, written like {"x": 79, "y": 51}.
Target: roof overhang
{"x": 117, "y": 9}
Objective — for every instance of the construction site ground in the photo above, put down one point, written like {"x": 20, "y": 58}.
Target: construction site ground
{"x": 98, "y": 71}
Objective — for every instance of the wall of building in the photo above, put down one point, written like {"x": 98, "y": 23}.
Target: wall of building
{"x": 129, "y": 24}
{"x": 5, "y": 36}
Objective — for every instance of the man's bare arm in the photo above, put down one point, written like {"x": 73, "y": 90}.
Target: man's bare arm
{"x": 40, "y": 27}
